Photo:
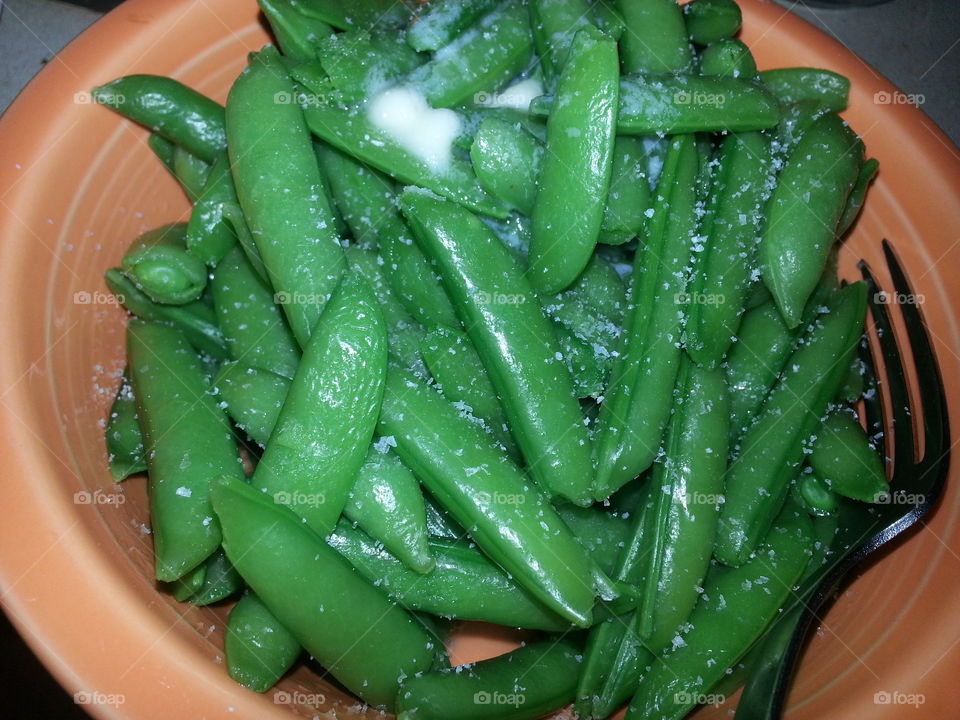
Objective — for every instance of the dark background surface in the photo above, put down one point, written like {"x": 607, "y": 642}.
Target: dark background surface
{"x": 912, "y": 42}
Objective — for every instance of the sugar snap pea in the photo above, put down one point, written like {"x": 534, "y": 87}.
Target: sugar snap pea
{"x": 814, "y": 495}
{"x": 629, "y": 197}
{"x": 588, "y": 367}
{"x": 655, "y": 37}
{"x": 554, "y": 24}
{"x": 578, "y": 161}
{"x": 708, "y": 21}
{"x": 280, "y": 190}
{"x": 188, "y": 441}
{"x": 184, "y": 587}
{"x": 439, "y": 23}
{"x": 312, "y": 591}
{"x": 158, "y": 263}
{"x": 190, "y": 171}
{"x": 125, "y": 451}
{"x": 296, "y": 34}
{"x": 209, "y": 237}
{"x": 163, "y": 149}
{"x": 169, "y": 108}
{"x": 843, "y": 459}
{"x": 253, "y": 397}
{"x": 259, "y": 649}
{"x": 728, "y": 58}
{"x": 507, "y": 160}
{"x": 515, "y": 341}
{"x": 792, "y": 85}
{"x": 851, "y": 211}
{"x": 220, "y": 580}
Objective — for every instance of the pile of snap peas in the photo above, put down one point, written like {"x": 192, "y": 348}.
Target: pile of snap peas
{"x": 595, "y": 378}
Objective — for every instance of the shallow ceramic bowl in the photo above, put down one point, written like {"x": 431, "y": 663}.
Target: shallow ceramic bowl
{"x": 77, "y": 182}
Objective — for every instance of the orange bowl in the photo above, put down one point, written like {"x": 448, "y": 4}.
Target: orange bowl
{"x": 77, "y": 182}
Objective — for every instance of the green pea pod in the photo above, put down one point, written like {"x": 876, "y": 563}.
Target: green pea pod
{"x": 483, "y": 59}
{"x": 253, "y": 326}
{"x": 455, "y": 365}
{"x": 487, "y": 494}
{"x": 364, "y": 196}
{"x": 387, "y": 502}
{"x": 507, "y": 160}
{"x": 188, "y": 441}
{"x": 600, "y": 532}
{"x": 844, "y": 459}
{"x": 464, "y": 584}
{"x": 578, "y": 163}
{"x": 158, "y": 263}
{"x": 220, "y": 580}
{"x": 253, "y": 397}
{"x": 369, "y": 265}
{"x": 795, "y": 120}
{"x": 125, "y": 451}
{"x": 792, "y": 85}
{"x": 600, "y": 293}
{"x": 606, "y": 17}
{"x": 280, "y": 190}
{"x": 163, "y": 149}
{"x": 732, "y": 228}
{"x": 367, "y": 14}
{"x": 439, "y": 23}
{"x": 208, "y": 236}
{"x": 688, "y": 485}
{"x": 772, "y": 448}
{"x": 167, "y": 107}
{"x": 708, "y": 21}
{"x": 851, "y": 211}
{"x": 296, "y": 34}
{"x": 554, "y": 24}
{"x": 737, "y": 605}
{"x": 639, "y": 395}
{"x": 804, "y": 211}
{"x": 359, "y": 64}
{"x": 629, "y": 197}
{"x": 195, "y": 320}
{"x": 655, "y": 38}
{"x": 673, "y": 104}
{"x": 814, "y": 495}
{"x": 527, "y": 683}
{"x": 313, "y": 592}
{"x": 728, "y": 58}
{"x": 588, "y": 368}
{"x": 184, "y": 587}
{"x": 352, "y": 133}
{"x": 327, "y": 421}
{"x": 515, "y": 341}
{"x": 190, "y": 171}
{"x": 259, "y": 649}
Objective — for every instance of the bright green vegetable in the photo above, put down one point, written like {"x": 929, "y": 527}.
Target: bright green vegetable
{"x": 507, "y": 160}
{"x": 708, "y": 21}
{"x": 655, "y": 37}
{"x": 125, "y": 451}
{"x": 297, "y": 34}
{"x": 629, "y": 197}
{"x": 843, "y": 458}
{"x": 792, "y": 85}
{"x": 208, "y": 236}
{"x": 259, "y": 649}
{"x": 158, "y": 263}
{"x": 554, "y": 23}
{"x": 440, "y": 22}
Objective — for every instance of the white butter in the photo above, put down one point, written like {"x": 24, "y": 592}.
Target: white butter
{"x": 516, "y": 97}
{"x": 428, "y": 133}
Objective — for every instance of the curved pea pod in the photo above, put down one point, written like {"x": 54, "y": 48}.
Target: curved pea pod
{"x": 708, "y": 21}
{"x": 733, "y": 226}
{"x": 868, "y": 171}
{"x": 368, "y": 14}
{"x": 575, "y": 177}
{"x": 728, "y": 58}
{"x": 324, "y": 429}
{"x": 655, "y": 37}
{"x": 167, "y": 107}
{"x": 686, "y": 490}
{"x": 439, "y": 23}
{"x": 360, "y": 64}
{"x": 125, "y": 451}
{"x": 281, "y": 191}
{"x": 628, "y": 199}
{"x": 737, "y": 605}
{"x": 296, "y": 33}
{"x": 507, "y": 160}
{"x": 804, "y": 211}
{"x": 188, "y": 441}
{"x": 163, "y": 149}
{"x": 386, "y": 501}
{"x": 190, "y": 171}
{"x": 639, "y": 396}
{"x": 483, "y": 59}
{"x": 314, "y": 593}
{"x": 464, "y": 584}
{"x": 253, "y": 398}
{"x": 220, "y": 580}
{"x": 527, "y": 683}
{"x": 208, "y": 236}
{"x": 351, "y": 132}
{"x": 455, "y": 365}
{"x": 159, "y": 265}
{"x": 488, "y": 495}
{"x": 792, "y": 85}
{"x": 259, "y": 649}
{"x": 515, "y": 341}
{"x": 253, "y": 326}
{"x": 843, "y": 458}
{"x": 554, "y": 24}
{"x": 674, "y": 104}
{"x": 772, "y": 448}
{"x": 814, "y": 495}
{"x": 195, "y": 320}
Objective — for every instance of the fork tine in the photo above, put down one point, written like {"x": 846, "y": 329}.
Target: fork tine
{"x": 932, "y": 395}
{"x": 903, "y": 449}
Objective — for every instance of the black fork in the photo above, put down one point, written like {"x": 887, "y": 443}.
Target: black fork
{"x": 916, "y": 483}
